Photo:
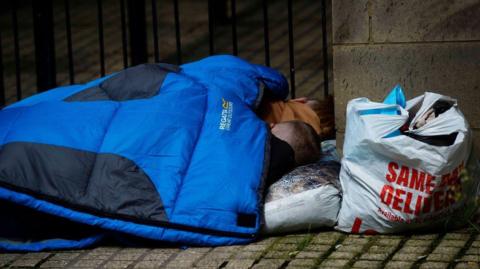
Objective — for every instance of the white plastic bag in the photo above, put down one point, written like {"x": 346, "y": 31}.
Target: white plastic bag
{"x": 392, "y": 182}
{"x": 308, "y": 197}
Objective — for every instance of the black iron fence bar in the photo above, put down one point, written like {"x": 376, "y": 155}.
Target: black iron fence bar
{"x": 2, "y": 84}
{"x": 124, "y": 34}
{"x": 155, "y": 31}
{"x": 100, "y": 36}
{"x": 234, "y": 27}
{"x": 16, "y": 50}
{"x": 44, "y": 44}
{"x": 266, "y": 33}
{"x": 68, "y": 28}
{"x": 137, "y": 26}
{"x": 325, "y": 49}
{"x": 291, "y": 49}
{"x": 178, "y": 39}
{"x": 211, "y": 26}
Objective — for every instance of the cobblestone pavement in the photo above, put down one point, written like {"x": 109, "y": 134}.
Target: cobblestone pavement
{"x": 326, "y": 249}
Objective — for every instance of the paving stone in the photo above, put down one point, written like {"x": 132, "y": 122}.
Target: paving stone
{"x": 388, "y": 242}
{"x": 417, "y": 243}
{"x": 470, "y": 258}
{"x": 456, "y": 236}
{"x": 116, "y": 264}
{"x": 333, "y": 263}
{"x": 148, "y": 264}
{"x": 248, "y": 255}
{"x": 355, "y": 241}
{"x": 9, "y": 256}
{"x": 54, "y": 264}
{"x": 374, "y": 256}
{"x": 319, "y": 248}
{"x": 467, "y": 265}
{"x": 211, "y": 262}
{"x": 157, "y": 257}
{"x": 444, "y": 257}
{"x": 255, "y": 247}
{"x": 269, "y": 264}
{"x": 185, "y": 259}
{"x": 350, "y": 248}
{"x": 341, "y": 255}
{"x": 452, "y": 243}
{"x": 367, "y": 264}
{"x": 302, "y": 263}
{"x": 36, "y": 255}
{"x": 399, "y": 264}
{"x": 64, "y": 256}
{"x": 406, "y": 257}
{"x": 231, "y": 249}
{"x": 125, "y": 256}
{"x": 294, "y": 239}
{"x": 105, "y": 250}
{"x": 6, "y": 258}
{"x": 446, "y": 250}
{"x": 473, "y": 251}
{"x": 278, "y": 254}
{"x": 476, "y": 243}
{"x": 423, "y": 237}
{"x": 240, "y": 264}
{"x": 434, "y": 265}
{"x": 326, "y": 238}
{"x": 25, "y": 262}
{"x": 91, "y": 263}
{"x": 289, "y": 247}
{"x": 217, "y": 255}
{"x": 309, "y": 254}
{"x": 414, "y": 250}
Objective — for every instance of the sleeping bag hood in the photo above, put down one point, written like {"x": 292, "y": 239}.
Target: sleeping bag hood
{"x": 161, "y": 152}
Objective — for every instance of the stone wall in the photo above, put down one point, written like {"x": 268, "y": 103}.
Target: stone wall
{"x": 429, "y": 45}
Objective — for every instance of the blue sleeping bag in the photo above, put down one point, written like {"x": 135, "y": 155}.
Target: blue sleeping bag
{"x": 156, "y": 151}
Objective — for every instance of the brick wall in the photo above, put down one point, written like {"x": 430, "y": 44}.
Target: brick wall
{"x": 430, "y": 45}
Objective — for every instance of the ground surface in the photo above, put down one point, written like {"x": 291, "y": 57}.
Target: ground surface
{"x": 326, "y": 249}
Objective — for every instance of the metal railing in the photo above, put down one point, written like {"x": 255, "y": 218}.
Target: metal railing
{"x": 134, "y": 38}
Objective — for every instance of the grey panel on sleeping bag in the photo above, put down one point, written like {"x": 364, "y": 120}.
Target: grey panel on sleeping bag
{"x": 138, "y": 82}
{"x": 102, "y": 183}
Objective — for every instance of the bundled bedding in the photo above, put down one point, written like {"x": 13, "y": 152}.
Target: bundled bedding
{"x": 155, "y": 151}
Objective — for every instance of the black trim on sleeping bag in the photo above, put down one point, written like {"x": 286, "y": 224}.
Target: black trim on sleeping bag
{"x": 138, "y": 82}
{"x": 23, "y": 224}
{"x": 100, "y": 182}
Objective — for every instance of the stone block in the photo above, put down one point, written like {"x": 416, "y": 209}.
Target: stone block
{"x": 333, "y": 263}
{"x": 371, "y": 71}
{"x": 240, "y": 264}
{"x": 434, "y": 265}
{"x": 436, "y": 20}
{"x": 467, "y": 265}
{"x": 367, "y": 264}
{"x": 350, "y": 21}
{"x": 398, "y": 264}
{"x": 54, "y": 264}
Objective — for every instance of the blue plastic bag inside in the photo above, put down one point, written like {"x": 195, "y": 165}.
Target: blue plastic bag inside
{"x": 395, "y": 97}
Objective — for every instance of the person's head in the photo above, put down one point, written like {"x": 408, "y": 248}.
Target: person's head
{"x": 324, "y": 111}
{"x": 314, "y": 104}
{"x": 301, "y": 137}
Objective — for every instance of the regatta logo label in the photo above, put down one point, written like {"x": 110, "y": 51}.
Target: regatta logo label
{"x": 226, "y": 115}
